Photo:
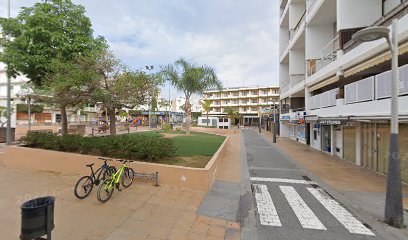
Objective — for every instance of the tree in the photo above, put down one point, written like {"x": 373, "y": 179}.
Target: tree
{"x": 69, "y": 84}
{"x": 190, "y": 79}
{"x": 49, "y": 36}
{"x": 206, "y": 107}
{"x": 232, "y": 114}
{"x": 50, "y": 30}
{"x": 119, "y": 87}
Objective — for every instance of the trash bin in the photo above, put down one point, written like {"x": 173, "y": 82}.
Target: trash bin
{"x": 37, "y": 218}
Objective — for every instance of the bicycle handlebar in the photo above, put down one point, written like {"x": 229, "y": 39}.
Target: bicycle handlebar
{"x": 119, "y": 160}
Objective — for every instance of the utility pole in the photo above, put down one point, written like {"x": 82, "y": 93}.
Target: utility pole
{"x": 394, "y": 213}
{"x": 274, "y": 123}
{"x": 8, "y": 134}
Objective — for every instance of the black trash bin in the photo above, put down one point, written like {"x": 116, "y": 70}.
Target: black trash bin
{"x": 37, "y": 218}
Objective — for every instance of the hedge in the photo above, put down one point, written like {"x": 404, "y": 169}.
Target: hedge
{"x": 125, "y": 146}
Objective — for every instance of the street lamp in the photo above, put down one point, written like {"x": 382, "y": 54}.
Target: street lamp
{"x": 394, "y": 214}
{"x": 271, "y": 102}
{"x": 8, "y": 133}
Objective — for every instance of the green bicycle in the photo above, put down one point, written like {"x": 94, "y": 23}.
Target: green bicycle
{"x": 124, "y": 174}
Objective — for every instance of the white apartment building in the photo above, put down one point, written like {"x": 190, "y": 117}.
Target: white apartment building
{"x": 335, "y": 92}
{"x": 249, "y": 101}
{"x": 19, "y": 93}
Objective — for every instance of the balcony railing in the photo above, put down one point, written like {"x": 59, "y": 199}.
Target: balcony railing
{"x": 398, "y": 12}
{"x": 296, "y": 78}
{"x": 284, "y": 88}
{"x": 327, "y": 55}
{"x": 323, "y": 100}
{"x": 292, "y": 32}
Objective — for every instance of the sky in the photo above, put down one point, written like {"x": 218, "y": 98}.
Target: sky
{"x": 238, "y": 38}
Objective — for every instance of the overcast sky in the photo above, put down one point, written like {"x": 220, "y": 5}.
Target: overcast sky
{"x": 239, "y": 38}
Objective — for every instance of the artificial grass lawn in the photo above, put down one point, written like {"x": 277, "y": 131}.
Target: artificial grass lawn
{"x": 193, "y": 150}
{"x": 197, "y": 144}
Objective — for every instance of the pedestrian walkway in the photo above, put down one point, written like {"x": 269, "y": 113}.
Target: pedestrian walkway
{"x": 290, "y": 205}
{"x": 360, "y": 185}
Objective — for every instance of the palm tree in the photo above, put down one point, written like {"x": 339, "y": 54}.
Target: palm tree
{"x": 206, "y": 107}
{"x": 190, "y": 79}
{"x": 232, "y": 113}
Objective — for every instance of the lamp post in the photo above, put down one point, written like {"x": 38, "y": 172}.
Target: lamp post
{"x": 271, "y": 102}
{"x": 8, "y": 133}
{"x": 394, "y": 214}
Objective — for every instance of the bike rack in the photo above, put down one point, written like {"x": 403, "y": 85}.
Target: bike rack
{"x": 149, "y": 176}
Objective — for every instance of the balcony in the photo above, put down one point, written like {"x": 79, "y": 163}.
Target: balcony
{"x": 367, "y": 97}
{"x": 299, "y": 25}
{"x": 327, "y": 55}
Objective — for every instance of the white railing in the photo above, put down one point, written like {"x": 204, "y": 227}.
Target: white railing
{"x": 323, "y": 100}
{"x": 327, "y": 55}
{"x": 310, "y": 4}
{"x": 293, "y": 31}
{"x": 359, "y": 91}
{"x": 284, "y": 88}
{"x": 296, "y": 78}
{"x": 403, "y": 74}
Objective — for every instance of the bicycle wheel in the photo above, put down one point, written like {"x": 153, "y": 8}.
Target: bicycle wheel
{"x": 127, "y": 178}
{"x": 105, "y": 190}
{"x": 83, "y": 187}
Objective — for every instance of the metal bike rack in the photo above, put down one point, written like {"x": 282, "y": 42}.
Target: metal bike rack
{"x": 148, "y": 176}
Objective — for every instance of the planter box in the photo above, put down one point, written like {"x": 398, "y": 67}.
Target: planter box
{"x": 200, "y": 179}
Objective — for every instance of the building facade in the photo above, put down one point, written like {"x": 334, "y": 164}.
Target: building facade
{"x": 335, "y": 92}
{"x": 249, "y": 101}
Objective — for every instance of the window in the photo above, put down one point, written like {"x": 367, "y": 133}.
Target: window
{"x": 314, "y": 134}
{"x": 220, "y": 120}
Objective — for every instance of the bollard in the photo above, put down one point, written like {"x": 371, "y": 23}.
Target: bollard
{"x": 157, "y": 179}
{"x": 93, "y": 131}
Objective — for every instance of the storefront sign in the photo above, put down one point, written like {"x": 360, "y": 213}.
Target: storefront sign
{"x": 330, "y": 122}
{"x": 285, "y": 117}
{"x": 311, "y": 118}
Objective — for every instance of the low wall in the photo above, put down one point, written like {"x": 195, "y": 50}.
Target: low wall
{"x": 200, "y": 179}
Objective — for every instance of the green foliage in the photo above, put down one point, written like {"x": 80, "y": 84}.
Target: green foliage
{"x": 195, "y": 115}
{"x": 232, "y": 113}
{"x": 127, "y": 146}
{"x": 206, "y": 105}
{"x": 45, "y": 32}
{"x": 123, "y": 113}
{"x": 153, "y": 104}
{"x": 34, "y": 108}
{"x": 190, "y": 79}
{"x": 166, "y": 127}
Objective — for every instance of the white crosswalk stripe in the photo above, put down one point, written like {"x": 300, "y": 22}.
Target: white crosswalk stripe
{"x": 281, "y": 180}
{"x": 340, "y": 213}
{"x": 305, "y": 215}
{"x": 266, "y": 209}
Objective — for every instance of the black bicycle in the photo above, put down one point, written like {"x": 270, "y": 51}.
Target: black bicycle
{"x": 85, "y": 184}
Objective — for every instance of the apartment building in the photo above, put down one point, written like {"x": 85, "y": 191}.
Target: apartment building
{"x": 335, "y": 92}
{"x": 19, "y": 96}
{"x": 249, "y": 101}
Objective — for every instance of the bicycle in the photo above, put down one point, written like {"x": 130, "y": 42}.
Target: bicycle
{"x": 124, "y": 175}
{"x": 85, "y": 184}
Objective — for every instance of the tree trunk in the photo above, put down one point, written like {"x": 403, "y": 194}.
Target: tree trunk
{"x": 207, "y": 119}
{"x": 64, "y": 120}
{"x": 187, "y": 108}
{"x": 112, "y": 121}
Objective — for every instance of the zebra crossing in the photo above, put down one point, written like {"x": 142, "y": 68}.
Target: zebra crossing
{"x": 269, "y": 211}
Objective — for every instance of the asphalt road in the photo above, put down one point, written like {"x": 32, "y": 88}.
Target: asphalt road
{"x": 288, "y": 205}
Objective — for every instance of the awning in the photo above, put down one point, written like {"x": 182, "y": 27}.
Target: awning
{"x": 325, "y": 83}
{"x": 386, "y": 56}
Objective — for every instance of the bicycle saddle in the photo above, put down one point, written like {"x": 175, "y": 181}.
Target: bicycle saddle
{"x": 90, "y": 165}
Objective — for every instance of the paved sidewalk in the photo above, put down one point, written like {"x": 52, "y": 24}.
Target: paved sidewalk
{"x": 141, "y": 211}
{"x": 364, "y": 188}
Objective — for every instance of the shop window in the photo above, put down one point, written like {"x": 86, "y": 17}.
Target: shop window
{"x": 314, "y": 134}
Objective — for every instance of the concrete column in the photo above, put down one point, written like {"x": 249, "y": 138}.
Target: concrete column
{"x": 333, "y": 140}
{"x": 308, "y": 95}
{"x": 359, "y": 143}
